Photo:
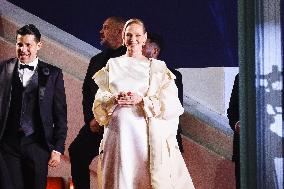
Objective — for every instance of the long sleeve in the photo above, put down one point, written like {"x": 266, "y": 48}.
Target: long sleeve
{"x": 90, "y": 88}
{"x": 165, "y": 104}
{"x": 59, "y": 114}
{"x": 104, "y": 103}
{"x": 233, "y": 110}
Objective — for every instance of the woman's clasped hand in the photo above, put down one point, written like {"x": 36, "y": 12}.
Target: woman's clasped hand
{"x": 128, "y": 98}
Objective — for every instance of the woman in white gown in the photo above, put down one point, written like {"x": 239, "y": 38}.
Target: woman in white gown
{"x": 138, "y": 104}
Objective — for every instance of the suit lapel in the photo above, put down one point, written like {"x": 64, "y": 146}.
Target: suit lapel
{"x": 5, "y": 91}
{"x": 7, "y": 73}
{"x": 5, "y": 82}
{"x": 43, "y": 75}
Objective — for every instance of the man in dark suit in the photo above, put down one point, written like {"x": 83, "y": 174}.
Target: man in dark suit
{"x": 33, "y": 117}
{"x": 85, "y": 146}
{"x": 152, "y": 49}
{"x": 234, "y": 122}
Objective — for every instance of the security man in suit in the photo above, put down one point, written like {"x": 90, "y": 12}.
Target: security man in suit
{"x": 85, "y": 146}
{"x": 234, "y": 122}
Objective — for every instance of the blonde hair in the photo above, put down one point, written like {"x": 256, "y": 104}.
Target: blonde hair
{"x": 133, "y": 21}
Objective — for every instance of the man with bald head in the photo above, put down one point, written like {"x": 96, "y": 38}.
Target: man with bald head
{"x": 86, "y": 145}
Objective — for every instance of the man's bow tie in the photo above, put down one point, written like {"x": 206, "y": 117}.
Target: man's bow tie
{"x": 23, "y": 66}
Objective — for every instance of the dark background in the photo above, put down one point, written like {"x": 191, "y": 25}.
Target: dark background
{"x": 197, "y": 33}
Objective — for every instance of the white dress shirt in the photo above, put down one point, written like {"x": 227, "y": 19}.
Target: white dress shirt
{"x": 26, "y": 74}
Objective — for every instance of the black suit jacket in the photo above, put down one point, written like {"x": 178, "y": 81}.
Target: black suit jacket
{"x": 52, "y": 102}
{"x": 233, "y": 115}
{"x": 90, "y": 88}
{"x": 178, "y": 82}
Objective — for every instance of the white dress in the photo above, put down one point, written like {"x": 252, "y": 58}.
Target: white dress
{"x": 126, "y": 149}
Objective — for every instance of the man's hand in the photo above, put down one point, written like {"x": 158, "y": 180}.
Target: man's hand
{"x": 237, "y": 127}
{"x": 54, "y": 159}
{"x": 94, "y": 126}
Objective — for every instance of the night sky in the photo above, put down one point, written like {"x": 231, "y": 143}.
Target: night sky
{"x": 196, "y": 33}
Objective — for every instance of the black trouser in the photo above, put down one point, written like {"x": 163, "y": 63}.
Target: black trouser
{"x": 236, "y": 159}
{"x": 179, "y": 139}
{"x": 26, "y": 160}
{"x": 237, "y": 172}
{"x": 82, "y": 151}
{"x": 5, "y": 182}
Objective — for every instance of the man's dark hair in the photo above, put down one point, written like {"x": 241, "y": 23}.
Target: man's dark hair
{"x": 30, "y": 29}
{"x": 156, "y": 38}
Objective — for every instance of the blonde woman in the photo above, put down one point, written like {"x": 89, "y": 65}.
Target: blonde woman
{"x": 137, "y": 103}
